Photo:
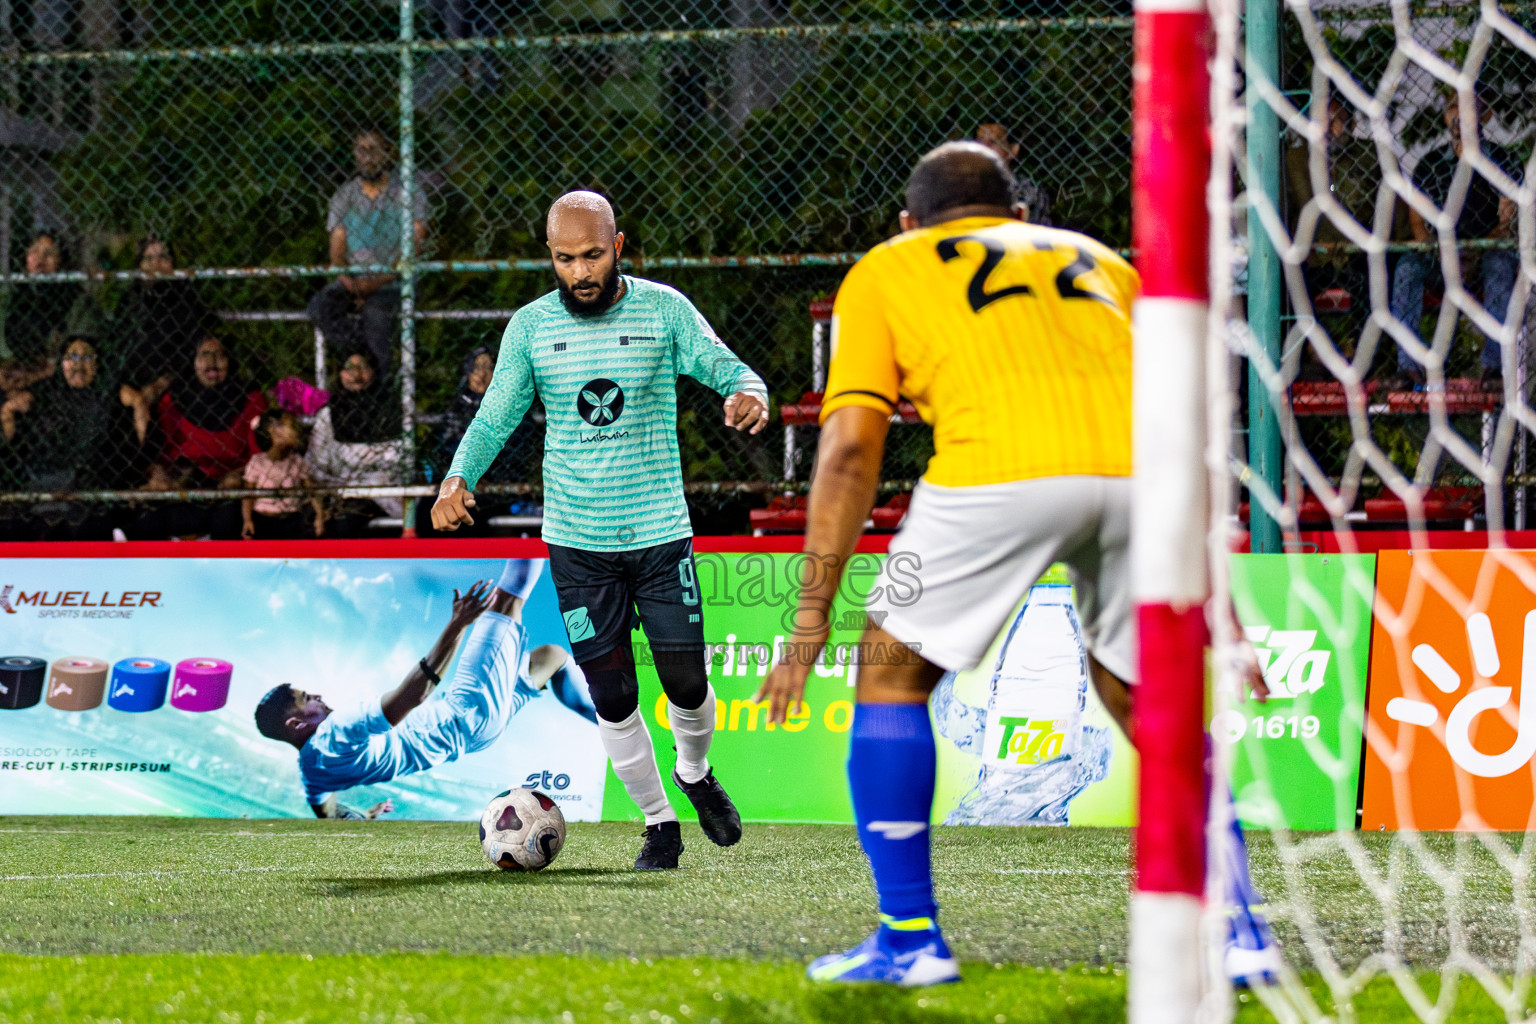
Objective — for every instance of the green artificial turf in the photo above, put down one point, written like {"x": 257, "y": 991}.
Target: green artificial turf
{"x": 236, "y": 921}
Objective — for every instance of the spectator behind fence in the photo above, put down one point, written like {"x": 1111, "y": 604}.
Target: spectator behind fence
{"x": 518, "y": 460}
{"x": 358, "y": 441}
{"x": 364, "y": 225}
{"x": 1353, "y": 180}
{"x": 207, "y": 436}
{"x": 1485, "y": 214}
{"x": 155, "y": 323}
{"x": 38, "y": 317}
{"x": 67, "y": 433}
{"x": 1001, "y": 141}
{"x": 279, "y": 465}
{"x": 206, "y": 418}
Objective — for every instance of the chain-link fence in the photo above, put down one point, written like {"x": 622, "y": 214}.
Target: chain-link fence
{"x": 173, "y": 171}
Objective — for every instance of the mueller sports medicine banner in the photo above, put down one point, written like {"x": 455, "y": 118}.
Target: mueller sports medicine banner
{"x": 127, "y": 686}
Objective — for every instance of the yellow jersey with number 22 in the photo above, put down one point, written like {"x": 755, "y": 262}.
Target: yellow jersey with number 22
{"x": 1012, "y": 340}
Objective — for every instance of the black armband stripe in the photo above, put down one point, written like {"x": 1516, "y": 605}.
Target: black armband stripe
{"x": 872, "y": 394}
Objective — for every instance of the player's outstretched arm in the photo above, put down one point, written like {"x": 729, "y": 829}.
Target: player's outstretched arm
{"x": 451, "y": 509}
{"x": 842, "y": 493}
{"x": 418, "y": 685}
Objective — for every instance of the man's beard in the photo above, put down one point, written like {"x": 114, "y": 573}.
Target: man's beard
{"x": 598, "y": 305}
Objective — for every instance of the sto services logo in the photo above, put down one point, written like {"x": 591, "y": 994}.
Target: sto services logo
{"x": 600, "y": 402}
{"x": 1486, "y": 665}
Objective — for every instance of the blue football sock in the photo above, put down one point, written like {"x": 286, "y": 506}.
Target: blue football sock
{"x": 520, "y": 576}
{"x": 891, "y": 773}
{"x": 1247, "y": 927}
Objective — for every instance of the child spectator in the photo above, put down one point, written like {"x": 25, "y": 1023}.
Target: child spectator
{"x": 277, "y": 466}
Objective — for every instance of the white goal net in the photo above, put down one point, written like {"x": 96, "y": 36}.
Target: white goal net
{"x": 1372, "y": 252}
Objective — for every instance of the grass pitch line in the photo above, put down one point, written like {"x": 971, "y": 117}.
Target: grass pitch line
{"x": 1058, "y": 871}
{"x": 154, "y": 873}
{"x": 240, "y": 835}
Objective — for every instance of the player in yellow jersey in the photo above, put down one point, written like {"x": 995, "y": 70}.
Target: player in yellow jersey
{"x": 1014, "y": 342}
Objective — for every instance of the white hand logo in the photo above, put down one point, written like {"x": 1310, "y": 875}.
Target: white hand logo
{"x": 1458, "y": 725}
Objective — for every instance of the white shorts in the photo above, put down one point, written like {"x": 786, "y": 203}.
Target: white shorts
{"x": 965, "y": 557}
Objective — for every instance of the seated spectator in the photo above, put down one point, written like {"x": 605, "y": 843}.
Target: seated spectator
{"x": 66, "y": 433}
{"x": 206, "y": 418}
{"x": 1486, "y": 213}
{"x": 279, "y": 465}
{"x": 364, "y": 225}
{"x": 1354, "y": 181}
{"x": 517, "y": 461}
{"x": 38, "y": 317}
{"x": 206, "y": 438}
{"x": 1036, "y": 200}
{"x": 358, "y": 441}
{"x": 155, "y": 323}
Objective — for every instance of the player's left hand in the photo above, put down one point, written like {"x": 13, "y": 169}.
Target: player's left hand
{"x": 784, "y": 689}
{"x": 378, "y": 809}
{"x": 746, "y": 411}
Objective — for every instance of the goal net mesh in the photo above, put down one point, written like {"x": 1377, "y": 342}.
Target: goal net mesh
{"x": 1372, "y": 231}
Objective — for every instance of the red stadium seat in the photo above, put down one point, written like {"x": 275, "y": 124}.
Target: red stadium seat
{"x": 1441, "y": 504}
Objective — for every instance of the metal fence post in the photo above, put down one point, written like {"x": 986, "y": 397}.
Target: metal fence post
{"x": 1265, "y": 454}
{"x": 408, "y": 185}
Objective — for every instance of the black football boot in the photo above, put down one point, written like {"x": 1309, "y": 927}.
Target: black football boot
{"x": 663, "y": 843}
{"x": 717, "y": 815}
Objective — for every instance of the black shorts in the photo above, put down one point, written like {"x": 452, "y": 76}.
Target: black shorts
{"x": 601, "y": 591}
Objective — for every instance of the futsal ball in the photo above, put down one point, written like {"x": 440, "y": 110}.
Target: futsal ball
{"x": 522, "y": 830}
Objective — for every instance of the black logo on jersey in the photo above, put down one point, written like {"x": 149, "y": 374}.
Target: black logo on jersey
{"x": 625, "y": 339}
{"x": 600, "y": 402}
{"x": 559, "y": 346}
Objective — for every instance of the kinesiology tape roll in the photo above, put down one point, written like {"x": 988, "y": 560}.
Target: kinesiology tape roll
{"x": 77, "y": 684}
{"x": 138, "y": 684}
{"x": 21, "y": 681}
{"x": 201, "y": 684}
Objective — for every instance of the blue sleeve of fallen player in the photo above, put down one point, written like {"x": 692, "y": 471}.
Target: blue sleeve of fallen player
{"x": 502, "y": 409}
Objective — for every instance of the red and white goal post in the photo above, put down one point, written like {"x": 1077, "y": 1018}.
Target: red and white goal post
{"x": 1170, "y": 579}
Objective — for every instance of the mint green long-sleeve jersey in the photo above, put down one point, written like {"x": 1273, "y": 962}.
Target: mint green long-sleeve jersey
{"x": 613, "y": 479}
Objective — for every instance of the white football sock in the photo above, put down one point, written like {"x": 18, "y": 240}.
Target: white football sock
{"x": 520, "y": 576}
{"x": 693, "y": 731}
{"x": 628, "y": 746}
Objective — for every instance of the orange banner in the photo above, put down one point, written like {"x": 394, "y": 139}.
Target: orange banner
{"x": 1450, "y": 733}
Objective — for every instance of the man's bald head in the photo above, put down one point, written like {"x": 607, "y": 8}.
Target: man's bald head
{"x": 584, "y": 245}
{"x": 964, "y": 177}
{"x": 580, "y": 213}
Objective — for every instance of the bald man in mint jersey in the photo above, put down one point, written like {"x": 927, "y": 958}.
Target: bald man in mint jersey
{"x": 604, "y": 351}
